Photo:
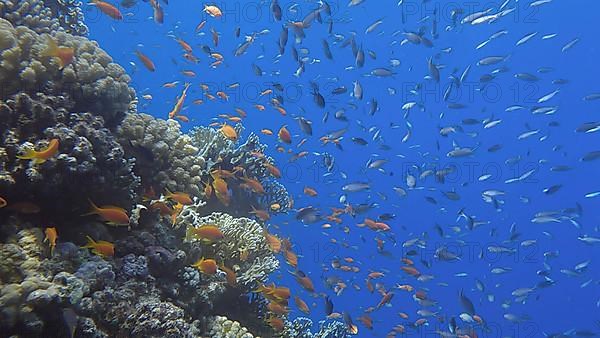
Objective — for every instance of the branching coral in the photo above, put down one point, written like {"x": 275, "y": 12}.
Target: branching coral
{"x": 88, "y": 156}
{"x": 45, "y": 16}
{"x": 243, "y": 248}
{"x": 92, "y": 81}
{"x": 300, "y": 328}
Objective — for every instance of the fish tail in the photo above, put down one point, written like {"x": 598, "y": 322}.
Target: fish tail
{"x": 94, "y": 210}
{"x": 51, "y": 49}
{"x": 51, "y": 250}
{"x": 90, "y": 244}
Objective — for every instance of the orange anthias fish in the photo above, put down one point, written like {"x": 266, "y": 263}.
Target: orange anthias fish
{"x": 230, "y": 275}
{"x": 100, "y": 248}
{"x": 39, "y": 157}
{"x": 229, "y": 132}
{"x": 107, "y": 9}
{"x": 213, "y": 11}
{"x": 179, "y": 104}
{"x": 284, "y": 135}
{"x": 51, "y": 237}
{"x": 110, "y": 214}
{"x": 65, "y": 55}
{"x": 273, "y": 242}
{"x": 302, "y": 306}
{"x": 209, "y": 233}
{"x": 305, "y": 281}
{"x": 207, "y": 266}
{"x": 179, "y": 197}
{"x": 146, "y": 61}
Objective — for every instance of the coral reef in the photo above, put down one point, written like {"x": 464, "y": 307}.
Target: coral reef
{"x": 168, "y": 158}
{"x": 76, "y": 121}
{"x": 88, "y": 156}
{"x": 243, "y": 249}
{"x": 221, "y": 327}
{"x": 165, "y": 157}
{"x": 45, "y": 16}
{"x": 92, "y": 82}
{"x": 300, "y": 328}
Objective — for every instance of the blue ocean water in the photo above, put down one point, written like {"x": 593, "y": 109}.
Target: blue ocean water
{"x": 566, "y": 304}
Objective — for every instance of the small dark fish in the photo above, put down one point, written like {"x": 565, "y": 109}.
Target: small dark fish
{"x": 552, "y": 189}
{"x": 305, "y": 125}
{"x": 591, "y": 156}
{"x": 308, "y": 215}
{"x": 387, "y": 216}
{"x": 327, "y": 50}
{"x": 328, "y": 306}
{"x": 257, "y": 70}
{"x": 339, "y": 90}
{"x": 276, "y": 10}
{"x": 466, "y": 303}
{"x": 360, "y": 141}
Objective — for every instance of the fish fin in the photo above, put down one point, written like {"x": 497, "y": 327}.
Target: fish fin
{"x": 94, "y": 209}
{"x": 90, "y": 244}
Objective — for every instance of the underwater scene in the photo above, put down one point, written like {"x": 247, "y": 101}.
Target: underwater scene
{"x": 310, "y": 169}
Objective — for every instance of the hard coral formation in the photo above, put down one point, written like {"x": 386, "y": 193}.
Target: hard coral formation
{"x": 88, "y": 156}
{"x": 300, "y": 328}
{"x": 243, "y": 248}
{"x": 221, "y": 327}
{"x": 92, "y": 81}
{"x": 165, "y": 157}
{"x": 45, "y": 16}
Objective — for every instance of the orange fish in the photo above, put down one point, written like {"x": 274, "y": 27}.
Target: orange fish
{"x": 146, "y": 61}
{"x": 186, "y": 46}
{"x": 179, "y": 197}
{"x": 159, "y": 15}
{"x": 310, "y": 191}
{"x": 291, "y": 258}
{"x": 51, "y": 237}
{"x": 230, "y": 275}
{"x": 260, "y": 107}
{"x": 207, "y": 232}
{"x": 284, "y": 135}
{"x": 229, "y": 132}
{"x": 39, "y": 157}
{"x": 302, "y": 306}
{"x": 188, "y": 73}
{"x": 273, "y": 242}
{"x": 100, "y": 248}
{"x": 254, "y": 185}
{"x": 107, "y": 9}
{"x": 200, "y": 26}
{"x": 215, "y": 36}
{"x": 207, "y": 266}
{"x": 273, "y": 170}
{"x": 110, "y": 214}
{"x": 182, "y": 118}
{"x": 179, "y": 103}
{"x": 277, "y": 308}
{"x": 65, "y": 55}
{"x": 241, "y": 112}
{"x": 263, "y": 215}
{"x": 266, "y": 131}
{"x": 276, "y": 323}
{"x": 213, "y": 11}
